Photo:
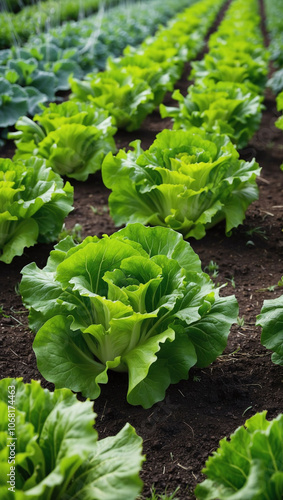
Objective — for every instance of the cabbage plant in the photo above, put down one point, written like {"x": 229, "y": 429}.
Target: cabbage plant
{"x": 249, "y": 466}
{"x": 72, "y": 137}
{"x": 49, "y": 448}
{"x": 271, "y": 321}
{"x": 33, "y": 205}
{"x": 135, "y": 302}
{"x": 187, "y": 181}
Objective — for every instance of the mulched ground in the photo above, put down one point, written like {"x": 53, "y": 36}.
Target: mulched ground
{"x": 180, "y": 432}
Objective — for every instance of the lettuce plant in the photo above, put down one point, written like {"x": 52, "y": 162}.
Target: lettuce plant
{"x": 186, "y": 181}
{"x": 271, "y": 320}
{"x": 223, "y": 108}
{"x": 276, "y": 81}
{"x": 279, "y": 101}
{"x": 123, "y": 95}
{"x": 279, "y": 122}
{"x": 234, "y": 64}
{"x": 33, "y": 205}
{"x": 49, "y": 448}
{"x": 160, "y": 75}
{"x": 134, "y": 302}
{"x": 72, "y": 137}
{"x": 249, "y": 466}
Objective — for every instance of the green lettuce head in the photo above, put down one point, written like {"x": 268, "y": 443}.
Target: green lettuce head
{"x": 49, "y": 448}
{"x": 248, "y": 466}
{"x": 135, "y": 302}
{"x": 224, "y": 107}
{"x": 188, "y": 181}
{"x": 72, "y": 137}
{"x": 271, "y": 321}
{"x": 33, "y": 205}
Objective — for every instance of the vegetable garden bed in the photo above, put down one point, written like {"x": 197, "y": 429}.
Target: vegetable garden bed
{"x": 180, "y": 432}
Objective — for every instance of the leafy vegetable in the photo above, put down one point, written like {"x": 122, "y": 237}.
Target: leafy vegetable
{"x": 274, "y": 24}
{"x": 133, "y": 302}
{"x": 57, "y": 453}
{"x": 33, "y": 205}
{"x": 133, "y": 85}
{"x": 16, "y": 101}
{"x": 186, "y": 181}
{"x": 223, "y": 108}
{"x": 276, "y": 81}
{"x": 72, "y": 137}
{"x": 249, "y": 465}
{"x": 126, "y": 97}
{"x": 279, "y": 122}
{"x": 279, "y": 101}
{"x": 233, "y": 64}
{"x": 34, "y": 73}
{"x": 35, "y": 20}
{"x": 229, "y": 80}
{"x": 271, "y": 320}
{"x": 160, "y": 75}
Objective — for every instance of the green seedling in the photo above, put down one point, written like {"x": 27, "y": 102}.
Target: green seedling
{"x": 240, "y": 321}
{"x": 212, "y": 269}
{"x": 99, "y": 211}
{"x": 271, "y": 288}
{"x": 258, "y": 231}
{"x": 232, "y": 281}
{"x": 163, "y": 496}
{"x": 2, "y": 313}
{"x": 75, "y": 232}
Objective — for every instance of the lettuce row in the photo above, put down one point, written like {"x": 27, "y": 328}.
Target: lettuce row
{"x": 274, "y": 23}
{"x": 249, "y": 466}
{"x": 236, "y": 55}
{"x": 56, "y": 453}
{"x": 34, "y": 18}
{"x": 34, "y": 21}
{"x": 187, "y": 181}
{"x": 227, "y": 95}
{"x": 134, "y": 302}
{"x": 33, "y": 205}
{"x": 271, "y": 321}
{"x": 34, "y": 73}
{"x": 72, "y": 137}
{"x": 133, "y": 85}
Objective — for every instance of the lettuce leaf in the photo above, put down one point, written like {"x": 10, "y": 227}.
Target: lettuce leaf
{"x": 33, "y": 205}
{"x": 133, "y": 302}
{"x": 57, "y": 452}
{"x": 271, "y": 321}
{"x": 186, "y": 181}
{"x": 249, "y": 465}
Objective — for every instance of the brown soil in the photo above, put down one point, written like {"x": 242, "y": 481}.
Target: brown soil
{"x": 180, "y": 432}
